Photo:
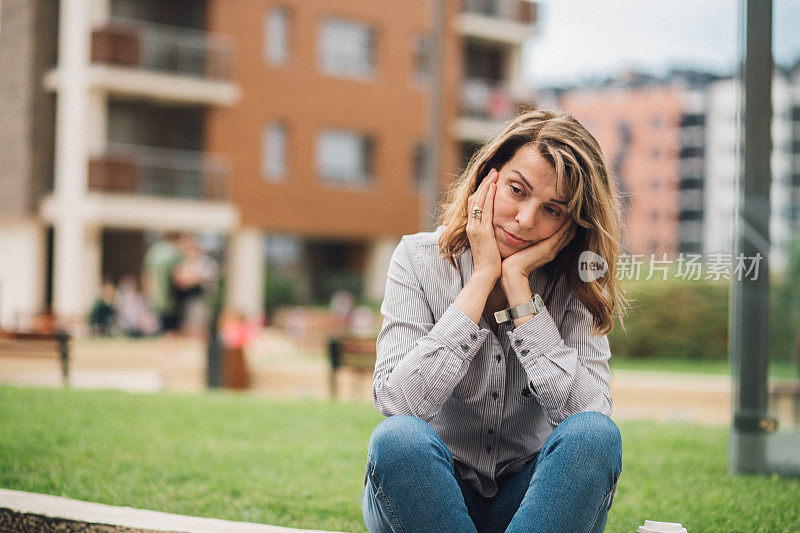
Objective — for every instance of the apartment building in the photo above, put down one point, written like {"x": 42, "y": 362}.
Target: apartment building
{"x": 329, "y": 140}
{"x": 108, "y": 142}
{"x": 672, "y": 144}
{"x": 292, "y": 135}
{"x": 722, "y": 162}
{"x": 487, "y": 37}
{"x": 638, "y": 128}
{"x": 27, "y": 50}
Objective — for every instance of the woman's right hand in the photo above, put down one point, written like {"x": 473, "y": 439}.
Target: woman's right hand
{"x": 480, "y": 232}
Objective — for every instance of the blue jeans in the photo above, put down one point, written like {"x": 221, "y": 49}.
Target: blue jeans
{"x": 413, "y": 486}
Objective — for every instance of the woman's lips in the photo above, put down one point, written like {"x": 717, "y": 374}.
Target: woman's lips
{"x": 513, "y": 240}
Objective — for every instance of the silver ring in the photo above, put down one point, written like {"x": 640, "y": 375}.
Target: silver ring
{"x": 477, "y": 213}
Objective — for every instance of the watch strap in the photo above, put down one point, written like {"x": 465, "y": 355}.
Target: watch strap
{"x": 531, "y": 307}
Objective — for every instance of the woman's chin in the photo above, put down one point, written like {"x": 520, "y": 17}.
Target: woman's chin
{"x": 505, "y": 250}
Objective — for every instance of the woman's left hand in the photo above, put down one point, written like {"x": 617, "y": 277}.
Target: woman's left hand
{"x": 525, "y": 261}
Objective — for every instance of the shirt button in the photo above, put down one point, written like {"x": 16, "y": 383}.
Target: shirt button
{"x": 499, "y": 358}
{"x": 490, "y": 431}
{"x": 465, "y": 347}
{"x": 524, "y": 352}
{"x": 488, "y": 449}
{"x": 518, "y": 342}
{"x": 474, "y": 336}
{"x": 494, "y": 395}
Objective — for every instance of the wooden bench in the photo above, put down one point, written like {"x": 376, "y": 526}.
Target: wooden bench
{"x": 786, "y": 401}
{"x": 37, "y": 345}
{"x": 348, "y": 352}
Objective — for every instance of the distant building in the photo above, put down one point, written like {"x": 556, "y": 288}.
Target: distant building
{"x": 723, "y": 158}
{"x": 672, "y": 146}
{"x": 289, "y": 133}
{"x": 329, "y": 141}
{"x": 638, "y": 129}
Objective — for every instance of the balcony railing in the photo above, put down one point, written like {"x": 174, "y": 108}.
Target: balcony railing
{"x": 486, "y": 99}
{"x": 161, "y": 48}
{"x": 521, "y": 11}
{"x": 161, "y": 172}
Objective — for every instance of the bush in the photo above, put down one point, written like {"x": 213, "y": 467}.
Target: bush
{"x": 674, "y": 319}
{"x": 689, "y": 320}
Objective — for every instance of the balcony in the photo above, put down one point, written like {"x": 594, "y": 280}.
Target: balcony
{"x": 161, "y": 48}
{"x": 521, "y": 11}
{"x": 159, "y": 172}
{"x": 486, "y": 99}
{"x": 157, "y": 62}
{"x": 484, "y": 106}
{"x": 503, "y": 21}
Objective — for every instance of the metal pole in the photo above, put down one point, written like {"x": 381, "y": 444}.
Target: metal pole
{"x": 749, "y": 304}
{"x": 430, "y": 185}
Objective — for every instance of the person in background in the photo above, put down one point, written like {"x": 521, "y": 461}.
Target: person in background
{"x": 159, "y": 262}
{"x": 194, "y": 282}
{"x": 341, "y": 307}
{"x": 102, "y": 316}
{"x": 492, "y": 362}
{"x": 134, "y": 316}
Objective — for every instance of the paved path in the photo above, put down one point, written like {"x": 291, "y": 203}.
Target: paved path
{"x": 283, "y": 367}
{"x": 27, "y": 511}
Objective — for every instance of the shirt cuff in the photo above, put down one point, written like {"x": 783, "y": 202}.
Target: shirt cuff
{"x": 535, "y": 337}
{"x": 458, "y": 332}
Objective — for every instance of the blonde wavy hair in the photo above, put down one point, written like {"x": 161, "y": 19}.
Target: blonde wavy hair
{"x": 581, "y": 176}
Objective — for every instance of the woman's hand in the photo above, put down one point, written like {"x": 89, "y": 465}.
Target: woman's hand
{"x": 480, "y": 231}
{"x": 519, "y": 265}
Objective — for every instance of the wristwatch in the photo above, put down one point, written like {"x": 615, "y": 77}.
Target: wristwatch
{"x": 531, "y": 307}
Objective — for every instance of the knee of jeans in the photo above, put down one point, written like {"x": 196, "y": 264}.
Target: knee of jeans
{"x": 596, "y": 435}
{"x": 402, "y": 438}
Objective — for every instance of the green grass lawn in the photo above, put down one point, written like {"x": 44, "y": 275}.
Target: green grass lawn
{"x": 301, "y": 463}
{"x": 776, "y": 369}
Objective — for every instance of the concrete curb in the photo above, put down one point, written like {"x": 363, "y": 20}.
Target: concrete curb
{"x": 21, "y": 510}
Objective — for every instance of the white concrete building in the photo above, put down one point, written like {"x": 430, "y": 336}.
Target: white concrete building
{"x": 493, "y": 33}
{"x": 722, "y": 162}
{"x": 115, "y": 148}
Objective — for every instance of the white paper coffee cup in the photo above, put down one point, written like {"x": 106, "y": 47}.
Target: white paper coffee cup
{"x": 652, "y": 526}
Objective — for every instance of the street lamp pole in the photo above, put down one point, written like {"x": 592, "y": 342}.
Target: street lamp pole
{"x": 749, "y": 303}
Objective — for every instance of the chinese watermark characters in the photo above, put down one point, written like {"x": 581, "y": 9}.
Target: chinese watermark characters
{"x": 686, "y": 266}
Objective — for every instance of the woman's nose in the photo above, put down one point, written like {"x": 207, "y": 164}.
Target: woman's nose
{"x": 525, "y": 217}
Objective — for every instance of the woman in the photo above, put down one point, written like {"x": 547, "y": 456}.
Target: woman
{"x": 492, "y": 360}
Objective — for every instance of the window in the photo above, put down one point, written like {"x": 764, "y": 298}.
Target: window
{"x": 344, "y": 157}
{"x": 693, "y": 120}
{"x": 273, "y": 152}
{"x": 420, "y": 156}
{"x": 690, "y": 215}
{"x": 691, "y": 151}
{"x": 276, "y": 37}
{"x": 346, "y": 48}
{"x": 422, "y": 58}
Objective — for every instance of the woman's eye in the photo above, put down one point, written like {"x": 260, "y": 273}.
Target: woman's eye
{"x": 553, "y": 212}
{"x": 516, "y": 190}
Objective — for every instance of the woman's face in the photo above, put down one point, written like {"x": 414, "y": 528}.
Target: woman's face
{"x": 526, "y": 207}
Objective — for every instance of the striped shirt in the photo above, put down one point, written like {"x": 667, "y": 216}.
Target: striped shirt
{"x": 493, "y": 399}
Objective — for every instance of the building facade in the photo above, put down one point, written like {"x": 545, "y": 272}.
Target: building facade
{"x": 722, "y": 161}
{"x": 118, "y": 143}
{"x": 638, "y": 129}
{"x": 288, "y": 133}
{"x": 673, "y": 146}
{"x": 329, "y": 141}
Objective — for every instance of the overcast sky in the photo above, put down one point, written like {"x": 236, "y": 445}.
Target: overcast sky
{"x": 580, "y": 38}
